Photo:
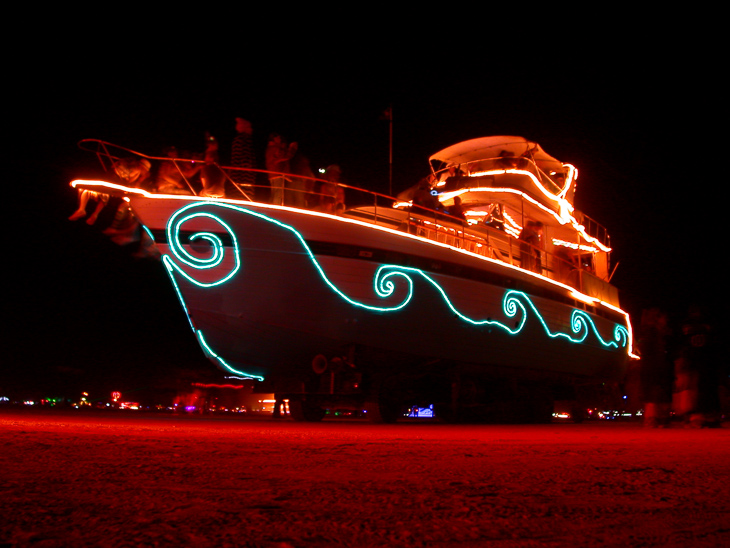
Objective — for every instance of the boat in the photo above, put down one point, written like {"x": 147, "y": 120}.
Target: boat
{"x": 393, "y": 302}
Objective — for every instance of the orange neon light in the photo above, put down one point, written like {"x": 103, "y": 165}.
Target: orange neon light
{"x": 579, "y": 247}
{"x": 559, "y": 198}
{"x": 584, "y": 298}
{"x": 572, "y": 176}
{"x": 573, "y": 291}
{"x": 511, "y": 226}
{"x": 568, "y": 219}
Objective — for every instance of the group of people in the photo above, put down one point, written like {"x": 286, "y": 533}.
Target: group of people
{"x": 424, "y": 197}
{"x": 288, "y": 172}
{"x": 678, "y": 371}
{"x": 293, "y": 182}
{"x": 200, "y": 173}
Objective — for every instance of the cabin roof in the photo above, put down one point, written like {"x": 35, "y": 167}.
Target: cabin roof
{"x": 491, "y": 147}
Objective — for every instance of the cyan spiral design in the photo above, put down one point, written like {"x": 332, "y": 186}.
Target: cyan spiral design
{"x": 512, "y": 304}
{"x": 386, "y": 282}
{"x": 580, "y": 324}
{"x": 218, "y": 251}
{"x": 621, "y": 336}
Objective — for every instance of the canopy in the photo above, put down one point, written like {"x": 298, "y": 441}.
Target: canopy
{"x": 491, "y": 147}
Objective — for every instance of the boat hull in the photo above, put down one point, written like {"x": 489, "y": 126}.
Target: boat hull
{"x": 270, "y": 291}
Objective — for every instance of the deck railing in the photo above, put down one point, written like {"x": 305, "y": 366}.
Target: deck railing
{"x": 305, "y": 191}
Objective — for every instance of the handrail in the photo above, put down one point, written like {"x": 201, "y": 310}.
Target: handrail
{"x": 593, "y": 227}
{"x": 485, "y": 242}
{"x": 432, "y": 224}
{"x": 103, "y": 145}
{"x": 503, "y": 163}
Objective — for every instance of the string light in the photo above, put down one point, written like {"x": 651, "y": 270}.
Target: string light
{"x": 384, "y": 279}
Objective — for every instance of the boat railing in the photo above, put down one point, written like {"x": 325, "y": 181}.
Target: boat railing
{"x": 595, "y": 229}
{"x": 577, "y": 271}
{"x": 313, "y": 193}
{"x": 176, "y": 175}
{"x": 166, "y": 174}
{"x": 447, "y": 178}
{"x": 497, "y": 165}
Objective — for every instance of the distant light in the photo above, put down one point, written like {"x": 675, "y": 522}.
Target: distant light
{"x": 422, "y": 412}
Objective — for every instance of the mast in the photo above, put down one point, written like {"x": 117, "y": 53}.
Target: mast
{"x": 388, "y": 115}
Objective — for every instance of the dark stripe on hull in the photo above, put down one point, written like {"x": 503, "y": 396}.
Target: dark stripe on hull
{"x": 382, "y": 256}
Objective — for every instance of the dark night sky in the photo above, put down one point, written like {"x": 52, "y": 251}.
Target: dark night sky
{"x": 635, "y": 128}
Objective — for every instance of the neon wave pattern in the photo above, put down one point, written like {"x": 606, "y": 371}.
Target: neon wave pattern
{"x": 387, "y": 279}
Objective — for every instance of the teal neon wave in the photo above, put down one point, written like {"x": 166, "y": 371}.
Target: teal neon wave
{"x": 385, "y": 281}
{"x": 207, "y": 350}
{"x": 174, "y": 225}
{"x": 223, "y": 364}
{"x": 513, "y": 302}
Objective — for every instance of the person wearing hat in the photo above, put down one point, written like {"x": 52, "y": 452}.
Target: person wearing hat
{"x": 242, "y": 156}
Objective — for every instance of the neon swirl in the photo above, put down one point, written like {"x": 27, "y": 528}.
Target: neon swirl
{"x": 385, "y": 285}
{"x": 207, "y": 350}
{"x": 388, "y": 279}
{"x": 513, "y": 303}
{"x": 174, "y": 226}
{"x": 223, "y": 364}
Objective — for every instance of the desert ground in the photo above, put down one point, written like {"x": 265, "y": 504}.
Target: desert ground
{"x": 134, "y": 479}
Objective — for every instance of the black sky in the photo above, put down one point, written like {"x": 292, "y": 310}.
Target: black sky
{"x": 642, "y": 134}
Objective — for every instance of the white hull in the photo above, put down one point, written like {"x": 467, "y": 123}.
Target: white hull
{"x": 290, "y": 285}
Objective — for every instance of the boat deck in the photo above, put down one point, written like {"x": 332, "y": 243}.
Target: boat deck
{"x": 574, "y": 259}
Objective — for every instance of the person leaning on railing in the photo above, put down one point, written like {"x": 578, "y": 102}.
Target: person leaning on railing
{"x": 529, "y": 246}
{"x": 242, "y": 156}
{"x": 278, "y": 155}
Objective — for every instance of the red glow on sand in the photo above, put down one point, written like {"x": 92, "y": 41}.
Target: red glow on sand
{"x": 69, "y": 479}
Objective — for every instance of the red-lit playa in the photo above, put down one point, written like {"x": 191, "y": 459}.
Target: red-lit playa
{"x": 479, "y": 288}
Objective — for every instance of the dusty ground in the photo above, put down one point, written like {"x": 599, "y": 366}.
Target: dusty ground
{"x": 135, "y": 480}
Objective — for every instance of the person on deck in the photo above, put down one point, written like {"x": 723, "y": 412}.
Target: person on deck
{"x": 457, "y": 210}
{"x": 530, "y": 238}
{"x": 242, "y": 156}
{"x": 423, "y": 197}
{"x": 278, "y": 155}
{"x": 214, "y": 180}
